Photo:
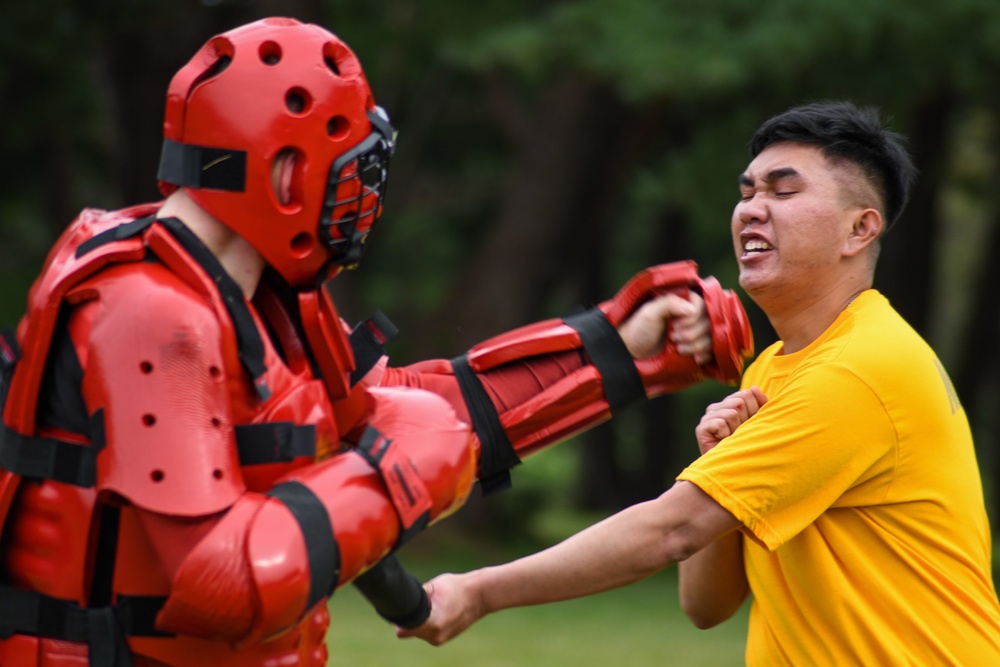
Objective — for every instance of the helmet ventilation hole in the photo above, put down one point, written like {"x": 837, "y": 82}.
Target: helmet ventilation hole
{"x": 298, "y": 101}
{"x": 338, "y": 127}
{"x": 332, "y": 64}
{"x": 301, "y": 244}
{"x": 270, "y": 53}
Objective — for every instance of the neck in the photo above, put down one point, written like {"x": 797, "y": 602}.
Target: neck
{"x": 799, "y": 324}
{"x": 243, "y": 264}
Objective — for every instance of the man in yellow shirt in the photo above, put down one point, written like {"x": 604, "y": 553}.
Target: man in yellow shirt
{"x": 839, "y": 486}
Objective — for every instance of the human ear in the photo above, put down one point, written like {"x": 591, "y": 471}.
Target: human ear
{"x": 282, "y": 171}
{"x": 867, "y": 227}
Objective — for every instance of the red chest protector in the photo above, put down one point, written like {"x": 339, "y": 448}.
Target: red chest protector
{"x": 179, "y": 374}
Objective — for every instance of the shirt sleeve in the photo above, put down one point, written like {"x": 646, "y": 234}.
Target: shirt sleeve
{"x": 823, "y": 441}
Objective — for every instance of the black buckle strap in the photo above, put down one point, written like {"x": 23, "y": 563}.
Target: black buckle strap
{"x": 104, "y": 629}
{"x": 619, "y": 376}
{"x": 48, "y": 458}
{"x": 406, "y": 489}
{"x": 498, "y": 455}
{"x": 368, "y": 341}
{"x": 274, "y": 442}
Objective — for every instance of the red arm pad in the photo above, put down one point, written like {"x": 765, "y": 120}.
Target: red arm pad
{"x": 270, "y": 559}
{"x": 536, "y": 388}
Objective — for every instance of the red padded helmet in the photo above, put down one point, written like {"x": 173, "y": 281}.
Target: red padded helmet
{"x": 252, "y": 96}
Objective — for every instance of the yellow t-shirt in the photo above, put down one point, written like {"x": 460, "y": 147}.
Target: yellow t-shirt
{"x": 858, "y": 488}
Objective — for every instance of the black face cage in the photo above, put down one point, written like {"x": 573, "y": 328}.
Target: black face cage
{"x": 370, "y": 161}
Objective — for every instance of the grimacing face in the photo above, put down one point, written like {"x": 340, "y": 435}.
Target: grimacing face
{"x": 792, "y": 221}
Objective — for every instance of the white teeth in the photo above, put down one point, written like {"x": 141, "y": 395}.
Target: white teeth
{"x": 756, "y": 245}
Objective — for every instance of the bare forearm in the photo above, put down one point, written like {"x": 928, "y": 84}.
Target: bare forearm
{"x": 620, "y": 550}
{"x": 713, "y": 582}
{"x": 616, "y": 552}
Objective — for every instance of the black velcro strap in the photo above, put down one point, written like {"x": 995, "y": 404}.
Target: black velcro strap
{"x": 317, "y": 531}
{"x": 607, "y": 351}
{"x": 123, "y": 231}
{"x": 48, "y": 458}
{"x": 108, "y": 647}
{"x": 275, "y": 442}
{"x": 31, "y": 613}
{"x": 137, "y": 614}
{"x": 498, "y": 455}
{"x": 403, "y": 483}
{"x": 368, "y": 341}
{"x": 248, "y": 340}
{"x": 195, "y": 166}
{"x": 103, "y": 629}
{"x": 106, "y": 555}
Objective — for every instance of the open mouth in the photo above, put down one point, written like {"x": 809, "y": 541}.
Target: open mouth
{"x": 756, "y": 246}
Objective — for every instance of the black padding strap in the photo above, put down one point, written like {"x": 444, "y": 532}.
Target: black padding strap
{"x": 137, "y": 614}
{"x": 195, "y": 166}
{"x": 275, "y": 442}
{"x": 248, "y": 340}
{"x": 106, "y": 555}
{"x": 104, "y": 628}
{"x": 317, "y": 531}
{"x": 108, "y": 647}
{"x": 498, "y": 455}
{"x": 31, "y": 613}
{"x": 406, "y": 489}
{"x": 368, "y": 341}
{"x": 621, "y": 379}
{"x": 123, "y": 231}
{"x": 47, "y": 458}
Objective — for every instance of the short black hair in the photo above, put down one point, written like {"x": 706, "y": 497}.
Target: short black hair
{"x": 856, "y": 134}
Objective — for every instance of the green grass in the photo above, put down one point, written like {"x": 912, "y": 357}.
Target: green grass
{"x": 636, "y": 626}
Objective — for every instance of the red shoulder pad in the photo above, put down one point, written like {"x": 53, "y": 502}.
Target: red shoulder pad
{"x": 154, "y": 363}
{"x": 62, "y": 270}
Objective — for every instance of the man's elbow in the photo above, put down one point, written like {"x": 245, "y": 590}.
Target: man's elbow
{"x": 679, "y": 544}
{"x": 701, "y": 617}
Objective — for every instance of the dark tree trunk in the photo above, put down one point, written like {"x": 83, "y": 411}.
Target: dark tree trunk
{"x": 979, "y": 366}
{"x": 907, "y": 266}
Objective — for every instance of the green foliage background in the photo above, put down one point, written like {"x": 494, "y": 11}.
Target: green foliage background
{"x": 548, "y": 150}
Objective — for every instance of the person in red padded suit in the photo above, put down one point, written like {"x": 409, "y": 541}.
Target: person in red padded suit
{"x": 196, "y": 451}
